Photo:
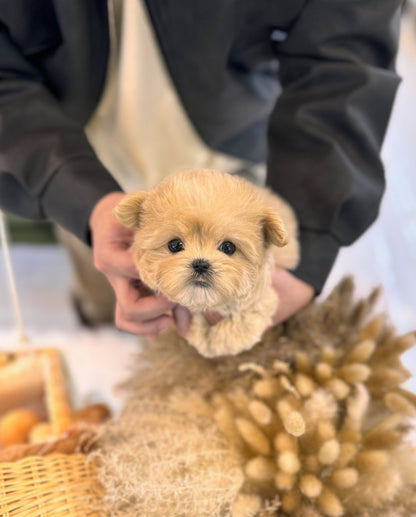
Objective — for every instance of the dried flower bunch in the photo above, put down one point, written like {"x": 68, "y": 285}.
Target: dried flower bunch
{"x": 312, "y": 422}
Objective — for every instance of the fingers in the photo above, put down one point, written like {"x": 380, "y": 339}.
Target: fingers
{"x": 212, "y": 317}
{"x": 182, "y": 319}
{"x": 118, "y": 262}
{"x": 149, "y": 328}
{"x": 293, "y": 293}
{"x": 137, "y": 302}
{"x": 138, "y": 311}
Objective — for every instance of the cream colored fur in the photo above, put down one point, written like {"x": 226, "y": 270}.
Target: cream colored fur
{"x": 204, "y": 209}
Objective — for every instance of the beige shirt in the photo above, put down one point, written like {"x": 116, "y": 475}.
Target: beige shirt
{"x": 140, "y": 130}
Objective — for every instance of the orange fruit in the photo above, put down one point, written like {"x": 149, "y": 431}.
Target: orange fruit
{"x": 15, "y": 426}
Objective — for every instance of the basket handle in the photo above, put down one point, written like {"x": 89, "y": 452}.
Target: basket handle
{"x": 4, "y": 238}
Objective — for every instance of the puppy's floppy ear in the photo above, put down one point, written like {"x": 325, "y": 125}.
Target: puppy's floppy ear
{"x": 129, "y": 210}
{"x": 273, "y": 229}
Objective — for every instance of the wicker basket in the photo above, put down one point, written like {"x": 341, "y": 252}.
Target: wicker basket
{"x": 55, "y": 477}
{"x": 49, "y": 486}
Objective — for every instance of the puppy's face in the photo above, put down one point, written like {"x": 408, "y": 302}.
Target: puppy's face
{"x": 201, "y": 237}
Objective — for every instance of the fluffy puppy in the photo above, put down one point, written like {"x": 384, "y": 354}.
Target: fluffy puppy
{"x": 208, "y": 240}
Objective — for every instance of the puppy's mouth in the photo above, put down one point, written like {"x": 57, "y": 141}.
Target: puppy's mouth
{"x": 204, "y": 284}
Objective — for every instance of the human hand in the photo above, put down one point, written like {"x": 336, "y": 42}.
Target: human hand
{"x": 138, "y": 310}
{"x": 294, "y": 294}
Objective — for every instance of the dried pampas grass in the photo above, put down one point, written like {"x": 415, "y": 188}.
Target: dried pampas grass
{"x": 311, "y": 422}
{"x": 161, "y": 459}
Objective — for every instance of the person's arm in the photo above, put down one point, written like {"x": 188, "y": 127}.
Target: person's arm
{"x": 327, "y": 128}
{"x": 48, "y": 170}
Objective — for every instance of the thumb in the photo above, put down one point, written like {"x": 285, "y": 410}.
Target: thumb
{"x": 182, "y": 318}
{"x": 212, "y": 317}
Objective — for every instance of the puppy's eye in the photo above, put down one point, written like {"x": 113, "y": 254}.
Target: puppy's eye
{"x": 227, "y": 247}
{"x": 175, "y": 245}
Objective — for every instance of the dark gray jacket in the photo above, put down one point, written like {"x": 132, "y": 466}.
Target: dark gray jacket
{"x": 306, "y": 85}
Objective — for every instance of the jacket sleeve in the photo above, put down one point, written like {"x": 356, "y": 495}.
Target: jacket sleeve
{"x": 48, "y": 170}
{"x": 327, "y": 128}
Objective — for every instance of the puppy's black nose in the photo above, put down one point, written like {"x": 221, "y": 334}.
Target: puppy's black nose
{"x": 200, "y": 266}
